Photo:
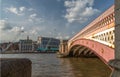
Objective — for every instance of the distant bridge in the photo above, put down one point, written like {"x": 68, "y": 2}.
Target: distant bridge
{"x": 96, "y": 38}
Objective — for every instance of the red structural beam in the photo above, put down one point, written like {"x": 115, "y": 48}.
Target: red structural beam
{"x": 103, "y": 51}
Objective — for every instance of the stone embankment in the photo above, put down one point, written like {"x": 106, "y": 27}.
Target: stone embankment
{"x": 15, "y": 67}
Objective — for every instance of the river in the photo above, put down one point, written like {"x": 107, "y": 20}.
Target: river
{"x": 48, "y": 65}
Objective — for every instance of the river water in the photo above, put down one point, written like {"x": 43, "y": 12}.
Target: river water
{"x": 48, "y": 65}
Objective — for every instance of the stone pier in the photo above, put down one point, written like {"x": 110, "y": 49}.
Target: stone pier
{"x": 116, "y": 62}
{"x": 63, "y": 46}
{"x": 15, "y": 67}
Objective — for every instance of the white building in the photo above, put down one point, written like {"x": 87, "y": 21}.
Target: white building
{"x": 26, "y": 45}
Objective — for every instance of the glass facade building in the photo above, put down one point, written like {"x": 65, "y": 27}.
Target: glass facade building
{"x": 46, "y": 43}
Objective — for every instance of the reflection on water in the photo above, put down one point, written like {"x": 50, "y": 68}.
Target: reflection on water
{"x": 47, "y": 65}
{"x": 88, "y": 67}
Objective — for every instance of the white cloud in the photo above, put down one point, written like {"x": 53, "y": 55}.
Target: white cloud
{"x": 33, "y": 18}
{"x": 35, "y": 30}
{"x": 17, "y": 29}
{"x": 79, "y": 10}
{"x": 4, "y": 25}
{"x": 33, "y": 15}
{"x": 17, "y": 11}
{"x": 9, "y": 33}
{"x": 22, "y": 9}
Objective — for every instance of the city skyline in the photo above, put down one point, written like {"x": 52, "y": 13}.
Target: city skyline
{"x": 50, "y": 18}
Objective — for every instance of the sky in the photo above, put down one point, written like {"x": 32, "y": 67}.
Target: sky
{"x": 60, "y": 19}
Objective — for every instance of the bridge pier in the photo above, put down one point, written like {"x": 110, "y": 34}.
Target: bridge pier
{"x": 116, "y": 62}
{"x": 63, "y": 46}
{"x": 63, "y": 49}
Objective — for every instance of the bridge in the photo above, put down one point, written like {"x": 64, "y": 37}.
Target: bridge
{"x": 97, "y": 38}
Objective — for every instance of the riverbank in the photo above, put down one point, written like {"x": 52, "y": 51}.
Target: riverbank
{"x": 25, "y": 52}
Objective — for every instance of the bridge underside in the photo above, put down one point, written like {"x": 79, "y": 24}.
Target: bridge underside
{"x": 86, "y": 47}
{"x": 81, "y": 51}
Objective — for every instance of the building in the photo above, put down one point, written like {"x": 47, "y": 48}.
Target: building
{"x": 26, "y": 45}
{"x": 48, "y": 44}
{"x": 14, "y": 46}
{"x": 9, "y": 46}
{"x": 35, "y": 45}
{"x": 4, "y": 45}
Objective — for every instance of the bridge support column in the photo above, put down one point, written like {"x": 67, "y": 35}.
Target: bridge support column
{"x": 63, "y": 46}
{"x": 116, "y": 62}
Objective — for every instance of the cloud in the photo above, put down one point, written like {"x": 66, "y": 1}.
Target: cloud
{"x": 33, "y": 18}
{"x": 33, "y": 15}
{"x": 17, "y": 11}
{"x": 67, "y": 37}
{"x": 10, "y": 35}
{"x": 12, "y": 31}
{"x": 79, "y": 10}
{"x": 62, "y": 37}
{"x": 17, "y": 29}
{"x": 30, "y": 9}
{"x": 4, "y": 25}
{"x": 9, "y": 32}
{"x": 22, "y": 9}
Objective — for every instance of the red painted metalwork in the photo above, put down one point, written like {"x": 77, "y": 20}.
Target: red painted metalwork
{"x": 103, "y": 51}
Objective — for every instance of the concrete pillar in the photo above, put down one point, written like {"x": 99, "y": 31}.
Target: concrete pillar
{"x": 15, "y": 68}
{"x": 116, "y": 62}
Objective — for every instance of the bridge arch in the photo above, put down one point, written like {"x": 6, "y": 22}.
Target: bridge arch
{"x": 79, "y": 50}
{"x": 78, "y": 47}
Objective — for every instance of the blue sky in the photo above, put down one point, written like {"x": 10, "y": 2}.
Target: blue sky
{"x": 50, "y": 18}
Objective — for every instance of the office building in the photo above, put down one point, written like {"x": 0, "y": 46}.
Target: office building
{"x": 48, "y": 44}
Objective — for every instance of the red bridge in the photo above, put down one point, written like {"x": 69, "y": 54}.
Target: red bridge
{"x": 96, "y": 38}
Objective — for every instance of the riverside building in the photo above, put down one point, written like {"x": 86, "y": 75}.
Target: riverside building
{"x": 26, "y": 45}
{"x": 48, "y": 44}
